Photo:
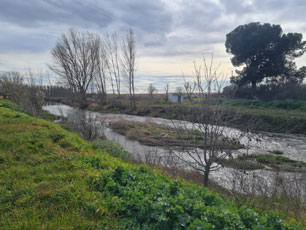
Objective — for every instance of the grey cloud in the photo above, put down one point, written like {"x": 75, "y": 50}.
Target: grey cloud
{"x": 32, "y": 13}
{"x": 237, "y": 6}
{"x": 144, "y": 15}
{"x": 151, "y": 20}
{"x": 161, "y": 29}
{"x": 24, "y": 42}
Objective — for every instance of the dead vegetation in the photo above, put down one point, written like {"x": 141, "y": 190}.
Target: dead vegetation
{"x": 153, "y": 134}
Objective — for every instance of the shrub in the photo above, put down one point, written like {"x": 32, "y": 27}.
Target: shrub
{"x": 149, "y": 201}
{"x": 272, "y": 159}
{"x": 112, "y": 148}
{"x": 277, "y": 152}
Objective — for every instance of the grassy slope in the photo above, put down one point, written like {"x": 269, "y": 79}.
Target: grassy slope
{"x": 43, "y": 180}
{"x": 52, "y": 179}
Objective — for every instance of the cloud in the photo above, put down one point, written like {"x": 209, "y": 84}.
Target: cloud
{"x": 166, "y": 31}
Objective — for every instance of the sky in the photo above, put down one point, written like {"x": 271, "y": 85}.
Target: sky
{"x": 170, "y": 34}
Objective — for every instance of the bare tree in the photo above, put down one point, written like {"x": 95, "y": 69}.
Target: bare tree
{"x": 213, "y": 141}
{"x": 112, "y": 61}
{"x": 167, "y": 92}
{"x": 35, "y": 95}
{"x": 101, "y": 75}
{"x": 75, "y": 58}
{"x": 179, "y": 90}
{"x": 189, "y": 89}
{"x": 30, "y": 96}
{"x": 128, "y": 64}
{"x": 12, "y": 85}
{"x": 151, "y": 90}
{"x": 210, "y": 74}
{"x": 86, "y": 124}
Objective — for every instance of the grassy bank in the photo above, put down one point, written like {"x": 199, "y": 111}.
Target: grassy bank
{"x": 274, "y": 162}
{"x": 277, "y": 116}
{"x": 50, "y": 178}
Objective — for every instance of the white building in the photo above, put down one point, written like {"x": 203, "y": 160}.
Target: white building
{"x": 176, "y": 98}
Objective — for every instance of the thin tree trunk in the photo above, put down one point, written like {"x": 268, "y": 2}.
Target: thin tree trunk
{"x": 206, "y": 178}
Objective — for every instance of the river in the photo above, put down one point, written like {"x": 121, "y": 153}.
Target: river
{"x": 256, "y": 181}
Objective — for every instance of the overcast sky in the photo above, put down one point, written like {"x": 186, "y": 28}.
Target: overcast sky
{"x": 170, "y": 34}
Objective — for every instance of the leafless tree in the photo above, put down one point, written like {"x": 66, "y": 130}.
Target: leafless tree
{"x": 35, "y": 94}
{"x": 167, "y": 92}
{"x": 12, "y": 85}
{"x": 86, "y": 124}
{"x": 151, "y": 90}
{"x": 75, "y": 59}
{"x": 29, "y": 96}
{"x": 179, "y": 90}
{"x": 212, "y": 140}
{"x": 128, "y": 64}
{"x": 189, "y": 89}
{"x": 102, "y": 72}
{"x": 112, "y": 60}
{"x": 210, "y": 74}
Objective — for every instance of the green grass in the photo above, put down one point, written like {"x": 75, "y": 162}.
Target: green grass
{"x": 289, "y": 104}
{"x": 48, "y": 116}
{"x": 112, "y": 148}
{"x": 275, "y": 160}
{"x": 241, "y": 163}
{"x": 277, "y": 152}
{"x": 50, "y": 178}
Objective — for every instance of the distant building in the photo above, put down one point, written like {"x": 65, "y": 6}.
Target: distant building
{"x": 176, "y": 98}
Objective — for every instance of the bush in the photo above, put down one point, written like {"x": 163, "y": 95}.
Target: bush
{"x": 29, "y": 97}
{"x": 277, "y": 152}
{"x": 268, "y": 92}
{"x": 272, "y": 159}
{"x": 149, "y": 201}
{"x": 112, "y": 148}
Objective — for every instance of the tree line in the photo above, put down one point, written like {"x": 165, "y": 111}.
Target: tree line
{"x": 82, "y": 59}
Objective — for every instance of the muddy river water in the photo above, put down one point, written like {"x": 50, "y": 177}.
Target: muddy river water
{"x": 257, "y": 181}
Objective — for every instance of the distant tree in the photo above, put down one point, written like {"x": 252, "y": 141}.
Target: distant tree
{"x": 151, "y": 89}
{"x": 189, "y": 89}
{"x": 103, "y": 73}
{"x": 266, "y": 53}
{"x": 179, "y": 90}
{"x": 29, "y": 96}
{"x": 112, "y": 57}
{"x": 128, "y": 64}
{"x": 75, "y": 61}
{"x": 167, "y": 92}
{"x": 12, "y": 85}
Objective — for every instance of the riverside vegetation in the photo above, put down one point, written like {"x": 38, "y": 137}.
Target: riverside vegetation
{"x": 51, "y": 178}
{"x": 287, "y": 116}
{"x": 253, "y": 162}
{"x": 152, "y": 134}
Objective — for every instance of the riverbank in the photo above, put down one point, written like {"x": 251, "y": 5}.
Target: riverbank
{"x": 256, "y": 119}
{"x": 51, "y": 178}
{"x": 260, "y": 161}
{"x": 168, "y": 137}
